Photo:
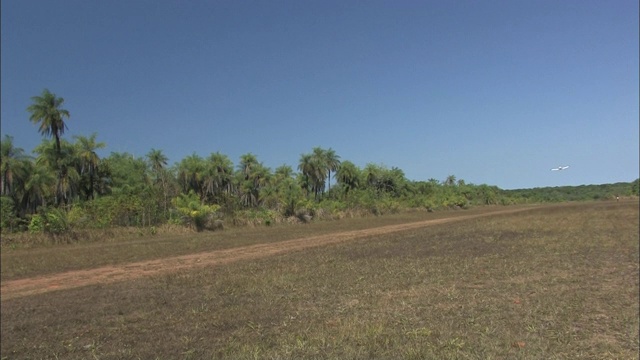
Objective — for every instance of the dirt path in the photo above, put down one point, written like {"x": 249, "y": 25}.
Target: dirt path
{"x": 109, "y": 274}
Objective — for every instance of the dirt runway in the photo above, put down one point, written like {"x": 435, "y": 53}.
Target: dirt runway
{"x": 109, "y": 274}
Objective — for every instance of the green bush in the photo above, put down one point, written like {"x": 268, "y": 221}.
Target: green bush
{"x": 77, "y": 217}
{"x": 193, "y": 212}
{"x": 37, "y": 224}
{"x": 391, "y": 206}
{"x": 52, "y": 221}
{"x": 8, "y": 218}
{"x": 333, "y": 207}
{"x": 56, "y": 221}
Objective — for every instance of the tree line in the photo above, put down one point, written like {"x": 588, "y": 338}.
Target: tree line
{"x": 65, "y": 184}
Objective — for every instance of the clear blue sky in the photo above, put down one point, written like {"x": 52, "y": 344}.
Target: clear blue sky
{"x": 494, "y": 92}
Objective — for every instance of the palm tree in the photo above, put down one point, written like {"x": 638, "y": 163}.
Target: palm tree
{"x": 38, "y": 187}
{"x": 47, "y": 111}
{"x": 306, "y": 168}
{"x": 247, "y": 163}
{"x": 158, "y": 162}
{"x": 332, "y": 162}
{"x": 450, "y": 180}
{"x": 283, "y": 172}
{"x": 287, "y": 190}
{"x": 373, "y": 175}
{"x": 190, "y": 174}
{"x": 104, "y": 178}
{"x": 348, "y": 175}
{"x": 46, "y": 154}
{"x": 65, "y": 163}
{"x": 89, "y": 160}
{"x": 321, "y": 169}
{"x": 218, "y": 177}
{"x": 11, "y": 164}
{"x": 253, "y": 176}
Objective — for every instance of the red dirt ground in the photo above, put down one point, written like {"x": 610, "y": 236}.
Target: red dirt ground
{"x": 109, "y": 274}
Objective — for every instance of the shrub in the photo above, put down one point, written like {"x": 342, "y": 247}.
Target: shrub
{"x": 52, "y": 221}
{"x": 56, "y": 221}
{"x": 193, "y": 212}
{"x": 77, "y": 217}
{"x": 37, "y": 224}
{"x": 8, "y": 218}
{"x": 391, "y": 206}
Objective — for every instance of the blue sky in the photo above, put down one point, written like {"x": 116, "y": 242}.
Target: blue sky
{"x": 494, "y": 92}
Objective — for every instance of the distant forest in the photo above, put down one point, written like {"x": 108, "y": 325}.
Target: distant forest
{"x": 575, "y": 193}
{"x": 66, "y": 186}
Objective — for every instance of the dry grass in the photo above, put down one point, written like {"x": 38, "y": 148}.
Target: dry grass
{"x": 556, "y": 282}
{"x": 31, "y": 255}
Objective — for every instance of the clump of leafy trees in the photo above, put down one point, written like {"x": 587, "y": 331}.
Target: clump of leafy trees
{"x": 65, "y": 185}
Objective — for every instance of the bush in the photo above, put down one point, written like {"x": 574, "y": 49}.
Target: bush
{"x": 8, "y": 218}
{"x": 52, "y": 221}
{"x": 37, "y": 224}
{"x": 77, "y": 217}
{"x": 391, "y": 206}
{"x": 331, "y": 209}
{"x": 56, "y": 221}
{"x": 193, "y": 212}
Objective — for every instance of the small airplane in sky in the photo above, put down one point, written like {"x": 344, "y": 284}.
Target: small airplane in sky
{"x": 560, "y": 168}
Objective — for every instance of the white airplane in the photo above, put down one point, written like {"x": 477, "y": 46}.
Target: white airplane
{"x": 560, "y": 168}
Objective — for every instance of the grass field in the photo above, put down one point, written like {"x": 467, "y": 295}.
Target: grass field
{"x": 552, "y": 282}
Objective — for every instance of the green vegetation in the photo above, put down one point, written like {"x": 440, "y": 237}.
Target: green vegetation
{"x": 575, "y": 193}
{"x": 70, "y": 179}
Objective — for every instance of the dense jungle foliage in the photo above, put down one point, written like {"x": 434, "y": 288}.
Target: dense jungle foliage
{"x": 66, "y": 185}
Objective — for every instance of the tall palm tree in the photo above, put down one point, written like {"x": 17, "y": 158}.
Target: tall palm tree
{"x": 158, "y": 161}
{"x": 65, "y": 164}
{"x": 253, "y": 176}
{"x": 247, "y": 164}
{"x": 104, "y": 178}
{"x": 11, "y": 165}
{"x": 218, "y": 178}
{"x": 46, "y": 154}
{"x": 283, "y": 172}
{"x": 190, "y": 174}
{"x": 39, "y": 185}
{"x": 307, "y": 171}
{"x": 332, "y": 162}
{"x": 285, "y": 189}
{"x": 48, "y": 112}
{"x": 321, "y": 168}
{"x": 348, "y": 175}
{"x": 450, "y": 180}
{"x": 373, "y": 175}
{"x": 89, "y": 159}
